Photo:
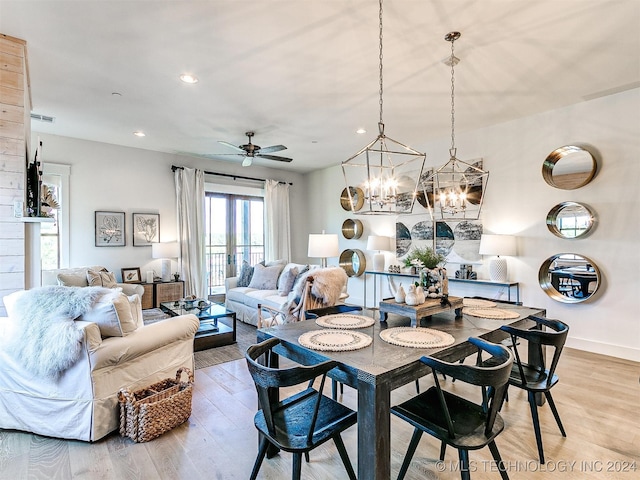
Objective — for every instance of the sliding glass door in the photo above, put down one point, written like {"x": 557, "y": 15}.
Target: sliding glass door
{"x": 235, "y": 232}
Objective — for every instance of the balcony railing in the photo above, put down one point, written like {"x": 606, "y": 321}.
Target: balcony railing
{"x": 216, "y": 264}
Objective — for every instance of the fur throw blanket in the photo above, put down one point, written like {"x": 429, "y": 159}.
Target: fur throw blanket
{"x": 327, "y": 286}
{"x": 45, "y": 338}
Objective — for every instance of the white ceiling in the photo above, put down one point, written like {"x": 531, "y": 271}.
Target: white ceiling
{"x": 305, "y": 73}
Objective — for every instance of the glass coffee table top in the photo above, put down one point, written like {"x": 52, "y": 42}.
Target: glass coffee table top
{"x": 211, "y": 332}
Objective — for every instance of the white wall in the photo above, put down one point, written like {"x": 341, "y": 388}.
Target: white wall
{"x": 113, "y": 178}
{"x": 518, "y": 200}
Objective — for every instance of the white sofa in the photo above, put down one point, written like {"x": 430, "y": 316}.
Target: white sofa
{"x": 78, "y": 278}
{"x": 245, "y": 300}
{"x": 82, "y": 402}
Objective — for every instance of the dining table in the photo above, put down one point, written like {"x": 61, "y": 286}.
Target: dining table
{"x": 379, "y": 368}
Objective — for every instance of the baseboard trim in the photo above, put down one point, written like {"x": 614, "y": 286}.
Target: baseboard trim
{"x": 618, "y": 351}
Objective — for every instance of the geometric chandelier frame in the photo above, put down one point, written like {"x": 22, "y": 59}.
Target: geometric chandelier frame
{"x": 385, "y": 173}
{"x": 455, "y": 191}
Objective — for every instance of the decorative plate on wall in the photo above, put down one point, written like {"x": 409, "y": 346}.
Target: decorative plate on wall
{"x": 357, "y": 197}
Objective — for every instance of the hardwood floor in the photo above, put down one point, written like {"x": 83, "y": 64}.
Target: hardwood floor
{"x": 598, "y": 399}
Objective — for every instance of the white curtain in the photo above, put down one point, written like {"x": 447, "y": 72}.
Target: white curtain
{"x": 277, "y": 234}
{"x": 190, "y": 202}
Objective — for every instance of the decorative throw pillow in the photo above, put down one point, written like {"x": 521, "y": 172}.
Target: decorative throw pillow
{"x": 245, "y": 274}
{"x": 285, "y": 283}
{"x": 265, "y": 278}
{"x": 103, "y": 278}
{"x": 72, "y": 280}
{"x": 135, "y": 303}
{"x": 112, "y": 314}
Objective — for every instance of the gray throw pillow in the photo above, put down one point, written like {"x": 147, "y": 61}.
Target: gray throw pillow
{"x": 246, "y": 272}
{"x": 286, "y": 281}
{"x": 265, "y": 278}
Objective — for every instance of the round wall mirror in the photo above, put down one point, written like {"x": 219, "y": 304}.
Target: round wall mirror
{"x": 354, "y": 196}
{"x": 570, "y": 220}
{"x": 569, "y": 167}
{"x": 352, "y": 229}
{"x": 353, "y": 262}
{"x": 569, "y": 277}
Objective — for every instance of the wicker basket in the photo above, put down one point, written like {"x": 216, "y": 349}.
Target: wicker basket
{"x": 147, "y": 413}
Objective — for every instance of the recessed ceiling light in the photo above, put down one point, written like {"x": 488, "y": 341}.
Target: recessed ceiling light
{"x": 361, "y": 131}
{"x": 188, "y": 78}
{"x": 116, "y": 94}
{"x": 139, "y": 133}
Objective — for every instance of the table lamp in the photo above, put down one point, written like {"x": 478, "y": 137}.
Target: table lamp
{"x": 323, "y": 245}
{"x": 378, "y": 243}
{"x": 498, "y": 245}
{"x": 165, "y": 251}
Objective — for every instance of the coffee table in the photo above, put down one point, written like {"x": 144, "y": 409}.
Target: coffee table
{"x": 211, "y": 332}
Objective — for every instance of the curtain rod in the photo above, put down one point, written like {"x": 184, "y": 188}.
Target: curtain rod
{"x": 174, "y": 168}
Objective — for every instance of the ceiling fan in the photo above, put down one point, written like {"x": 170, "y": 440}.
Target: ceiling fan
{"x": 251, "y": 151}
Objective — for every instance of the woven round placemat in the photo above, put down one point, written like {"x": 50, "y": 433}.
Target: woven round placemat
{"x": 345, "y": 321}
{"x": 494, "y": 313}
{"x": 477, "y": 302}
{"x": 334, "y": 340}
{"x": 416, "y": 337}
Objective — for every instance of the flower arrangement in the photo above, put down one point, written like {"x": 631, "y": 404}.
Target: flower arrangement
{"x": 423, "y": 257}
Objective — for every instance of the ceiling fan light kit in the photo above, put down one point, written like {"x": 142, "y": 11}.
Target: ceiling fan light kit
{"x": 251, "y": 151}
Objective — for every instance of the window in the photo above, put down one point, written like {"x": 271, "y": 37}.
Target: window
{"x": 54, "y": 237}
{"x": 235, "y": 232}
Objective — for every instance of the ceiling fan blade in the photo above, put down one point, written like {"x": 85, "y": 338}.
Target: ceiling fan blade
{"x": 231, "y": 145}
{"x": 247, "y": 161}
{"x": 272, "y": 149}
{"x": 275, "y": 157}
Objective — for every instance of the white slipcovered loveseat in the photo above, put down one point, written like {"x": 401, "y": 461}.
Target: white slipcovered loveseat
{"x": 283, "y": 288}
{"x": 80, "y": 402}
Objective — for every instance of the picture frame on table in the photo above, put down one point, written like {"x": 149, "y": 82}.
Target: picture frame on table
{"x": 131, "y": 275}
{"x": 146, "y": 229}
{"x": 110, "y": 229}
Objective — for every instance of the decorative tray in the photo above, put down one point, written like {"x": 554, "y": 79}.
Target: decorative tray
{"x": 416, "y": 337}
{"x": 345, "y": 321}
{"x": 334, "y": 340}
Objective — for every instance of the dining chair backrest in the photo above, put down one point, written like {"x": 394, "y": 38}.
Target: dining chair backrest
{"x": 267, "y": 379}
{"x": 555, "y": 336}
{"x": 490, "y": 373}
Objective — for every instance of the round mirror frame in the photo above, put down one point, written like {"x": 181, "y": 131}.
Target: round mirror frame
{"x": 546, "y": 283}
{"x": 357, "y": 196}
{"x": 557, "y": 155}
{"x": 352, "y": 229}
{"x": 552, "y": 217}
{"x": 346, "y": 262}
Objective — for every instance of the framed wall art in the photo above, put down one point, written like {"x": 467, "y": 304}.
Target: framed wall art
{"x": 131, "y": 275}
{"x": 110, "y": 231}
{"x": 146, "y": 229}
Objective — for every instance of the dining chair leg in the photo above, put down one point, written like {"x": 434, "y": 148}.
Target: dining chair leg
{"x": 262, "y": 451}
{"x": 413, "y": 444}
{"x": 498, "y": 459}
{"x": 306, "y": 457}
{"x": 555, "y": 412}
{"x": 345, "y": 457}
{"x": 463, "y": 455}
{"x": 536, "y": 424}
{"x": 417, "y": 387}
{"x": 443, "y": 449}
{"x": 334, "y": 389}
{"x": 297, "y": 466}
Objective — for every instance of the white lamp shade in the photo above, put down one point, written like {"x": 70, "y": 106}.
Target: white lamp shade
{"x": 165, "y": 251}
{"x": 378, "y": 242}
{"x": 323, "y": 245}
{"x": 497, "y": 245}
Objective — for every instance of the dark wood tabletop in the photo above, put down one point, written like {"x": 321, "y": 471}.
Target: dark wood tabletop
{"x": 381, "y": 367}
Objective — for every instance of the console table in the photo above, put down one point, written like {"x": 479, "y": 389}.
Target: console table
{"x": 515, "y": 296}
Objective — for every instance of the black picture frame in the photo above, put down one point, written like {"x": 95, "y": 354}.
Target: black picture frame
{"x": 145, "y": 228}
